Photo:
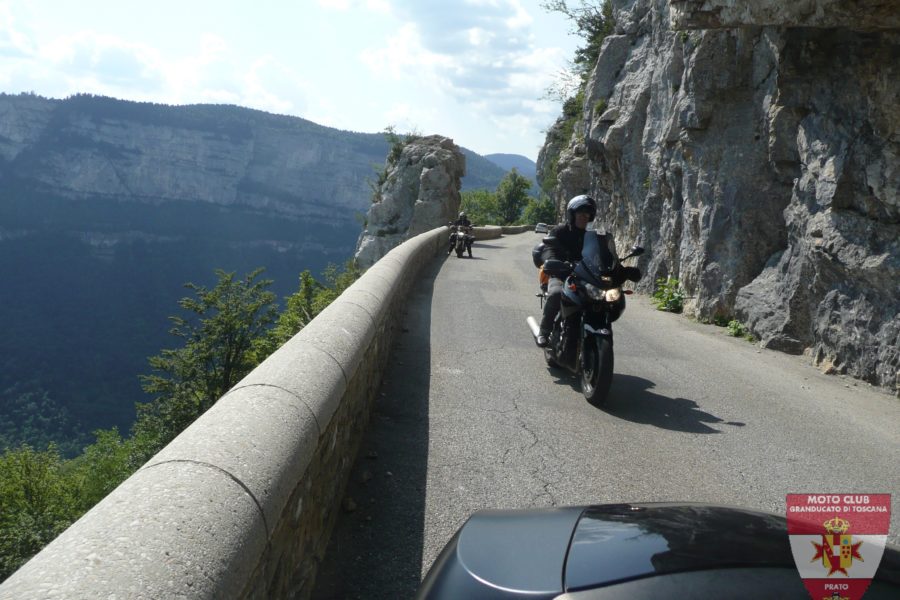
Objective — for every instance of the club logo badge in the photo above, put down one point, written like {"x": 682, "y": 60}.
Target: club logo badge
{"x": 837, "y": 541}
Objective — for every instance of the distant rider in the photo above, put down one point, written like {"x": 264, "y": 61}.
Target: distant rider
{"x": 564, "y": 242}
{"x": 461, "y": 225}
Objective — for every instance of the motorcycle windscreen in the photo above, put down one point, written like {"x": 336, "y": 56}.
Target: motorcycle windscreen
{"x": 596, "y": 255}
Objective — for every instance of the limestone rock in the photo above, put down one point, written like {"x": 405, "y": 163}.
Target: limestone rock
{"x": 420, "y": 192}
{"x": 859, "y": 15}
{"x": 753, "y": 147}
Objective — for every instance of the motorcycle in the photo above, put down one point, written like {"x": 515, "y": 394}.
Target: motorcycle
{"x": 460, "y": 240}
{"x": 581, "y": 340}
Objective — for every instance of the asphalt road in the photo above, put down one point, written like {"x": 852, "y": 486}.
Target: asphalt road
{"x": 469, "y": 417}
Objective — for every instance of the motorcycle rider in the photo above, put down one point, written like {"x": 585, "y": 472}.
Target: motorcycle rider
{"x": 564, "y": 242}
{"x": 461, "y": 222}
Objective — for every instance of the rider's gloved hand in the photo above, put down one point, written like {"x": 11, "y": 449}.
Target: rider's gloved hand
{"x": 632, "y": 274}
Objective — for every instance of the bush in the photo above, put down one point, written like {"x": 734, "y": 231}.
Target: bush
{"x": 721, "y": 321}
{"x": 738, "y": 329}
{"x": 668, "y": 295}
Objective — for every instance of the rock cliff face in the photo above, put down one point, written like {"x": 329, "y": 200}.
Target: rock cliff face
{"x": 203, "y": 165}
{"x": 754, "y": 148}
{"x": 420, "y": 192}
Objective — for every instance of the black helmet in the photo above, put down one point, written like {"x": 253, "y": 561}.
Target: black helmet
{"x": 462, "y": 215}
{"x": 580, "y": 203}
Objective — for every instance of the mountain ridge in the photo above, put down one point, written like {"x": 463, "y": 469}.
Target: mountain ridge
{"x": 522, "y": 164}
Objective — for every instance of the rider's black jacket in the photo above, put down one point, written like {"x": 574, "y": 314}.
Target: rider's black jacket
{"x": 465, "y": 222}
{"x": 565, "y": 243}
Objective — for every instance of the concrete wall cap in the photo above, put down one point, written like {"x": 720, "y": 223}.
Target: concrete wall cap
{"x": 368, "y": 300}
{"x": 343, "y": 330}
{"x": 307, "y": 372}
{"x": 262, "y": 435}
{"x": 177, "y": 530}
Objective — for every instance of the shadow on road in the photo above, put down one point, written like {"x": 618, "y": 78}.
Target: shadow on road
{"x": 475, "y": 257}
{"x": 632, "y": 399}
{"x": 376, "y": 547}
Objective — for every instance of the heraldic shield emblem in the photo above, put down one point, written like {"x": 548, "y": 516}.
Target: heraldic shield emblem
{"x": 837, "y": 541}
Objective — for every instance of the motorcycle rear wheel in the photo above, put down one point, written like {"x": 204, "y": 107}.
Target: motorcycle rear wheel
{"x": 597, "y": 373}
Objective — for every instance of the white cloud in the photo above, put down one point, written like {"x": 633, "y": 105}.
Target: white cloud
{"x": 485, "y": 49}
{"x": 346, "y": 5}
{"x": 404, "y": 57}
{"x": 13, "y": 42}
{"x": 466, "y": 68}
{"x": 483, "y": 56}
{"x": 273, "y": 86}
{"x": 86, "y": 55}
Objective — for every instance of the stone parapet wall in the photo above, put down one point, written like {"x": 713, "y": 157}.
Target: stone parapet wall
{"x": 487, "y": 232}
{"x": 516, "y": 228}
{"x": 241, "y": 504}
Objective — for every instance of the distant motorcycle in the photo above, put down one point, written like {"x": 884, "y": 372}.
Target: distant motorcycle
{"x": 461, "y": 239}
{"x": 581, "y": 340}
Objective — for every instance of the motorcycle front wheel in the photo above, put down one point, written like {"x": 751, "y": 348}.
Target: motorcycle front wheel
{"x": 459, "y": 251}
{"x": 597, "y": 370}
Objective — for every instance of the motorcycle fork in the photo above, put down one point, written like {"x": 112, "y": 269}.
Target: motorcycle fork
{"x": 599, "y": 326}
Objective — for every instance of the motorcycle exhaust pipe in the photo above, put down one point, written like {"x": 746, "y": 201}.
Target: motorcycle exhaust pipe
{"x": 533, "y": 325}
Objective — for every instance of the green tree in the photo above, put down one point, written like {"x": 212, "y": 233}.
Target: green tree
{"x": 36, "y": 504}
{"x": 512, "y": 196}
{"x": 309, "y": 300}
{"x": 481, "y": 207}
{"x": 101, "y": 468}
{"x": 541, "y": 210}
{"x": 28, "y": 415}
{"x": 220, "y": 339}
{"x": 337, "y": 281}
{"x": 298, "y": 311}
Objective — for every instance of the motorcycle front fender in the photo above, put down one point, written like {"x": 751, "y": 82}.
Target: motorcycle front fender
{"x": 603, "y": 331}
{"x": 597, "y": 324}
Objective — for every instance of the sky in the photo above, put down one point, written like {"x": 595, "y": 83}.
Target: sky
{"x": 477, "y": 71}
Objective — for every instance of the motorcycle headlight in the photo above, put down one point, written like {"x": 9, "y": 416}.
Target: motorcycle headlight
{"x": 613, "y": 295}
{"x": 593, "y": 292}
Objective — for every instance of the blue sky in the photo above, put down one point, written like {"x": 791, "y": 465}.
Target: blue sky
{"x": 474, "y": 70}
